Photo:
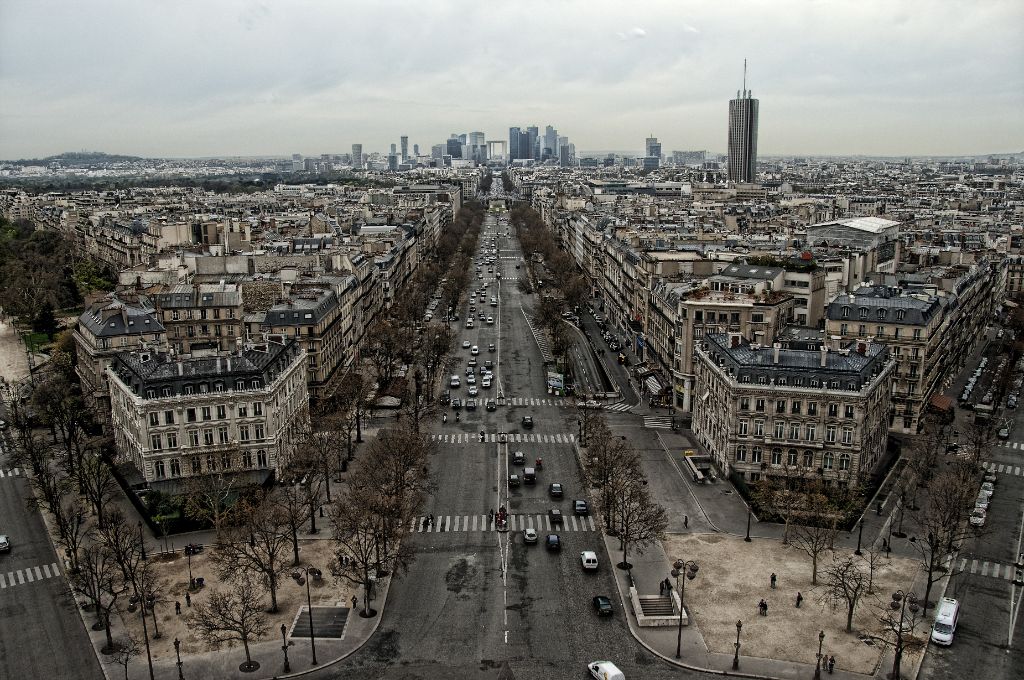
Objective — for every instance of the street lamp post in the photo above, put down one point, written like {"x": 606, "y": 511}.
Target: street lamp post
{"x": 860, "y": 535}
{"x": 901, "y": 601}
{"x": 685, "y": 570}
{"x": 177, "y": 653}
{"x": 747, "y": 539}
{"x": 298, "y": 576}
{"x": 142, "y": 542}
{"x": 736, "y": 656}
{"x": 188, "y": 554}
{"x": 284, "y": 648}
{"x": 817, "y": 669}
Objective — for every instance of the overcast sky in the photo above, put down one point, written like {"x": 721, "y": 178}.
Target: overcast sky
{"x": 233, "y": 77}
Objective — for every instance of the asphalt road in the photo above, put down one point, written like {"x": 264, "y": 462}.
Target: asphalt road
{"x": 475, "y": 601}
{"x": 41, "y": 634}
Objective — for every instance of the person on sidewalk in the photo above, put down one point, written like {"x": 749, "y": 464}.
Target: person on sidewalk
{"x": 661, "y": 588}
{"x": 773, "y": 580}
{"x": 188, "y": 600}
{"x": 686, "y": 522}
{"x": 760, "y": 607}
{"x": 177, "y": 608}
{"x": 799, "y": 599}
{"x": 831, "y": 664}
{"x": 668, "y": 585}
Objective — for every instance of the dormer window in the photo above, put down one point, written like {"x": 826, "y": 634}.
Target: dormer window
{"x": 900, "y": 313}
{"x": 863, "y": 312}
{"x": 846, "y": 312}
{"x": 881, "y": 314}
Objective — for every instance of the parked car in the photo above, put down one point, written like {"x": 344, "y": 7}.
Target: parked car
{"x": 5, "y": 543}
{"x": 978, "y": 516}
{"x": 602, "y": 605}
{"x": 553, "y": 542}
{"x": 1004, "y": 433}
{"x": 982, "y": 501}
{"x": 988, "y": 487}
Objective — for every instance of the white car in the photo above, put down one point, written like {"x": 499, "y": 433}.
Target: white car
{"x": 588, "y": 558}
{"x": 466, "y": 344}
{"x": 530, "y": 536}
{"x": 490, "y": 319}
{"x": 469, "y": 323}
{"x": 485, "y": 382}
{"x": 470, "y": 379}
{"x": 455, "y": 381}
{"x": 475, "y": 350}
{"x": 5, "y": 543}
{"x": 473, "y": 391}
{"x": 982, "y": 501}
{"x": 977, "y": 517}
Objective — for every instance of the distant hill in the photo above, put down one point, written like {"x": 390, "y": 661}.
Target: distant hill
{"x": 78, "y": 159}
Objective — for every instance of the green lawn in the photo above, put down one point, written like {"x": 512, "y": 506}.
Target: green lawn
{"x": 35, "y": 341}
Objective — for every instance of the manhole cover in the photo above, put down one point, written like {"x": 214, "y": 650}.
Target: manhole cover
{"x": 328, "y": 622}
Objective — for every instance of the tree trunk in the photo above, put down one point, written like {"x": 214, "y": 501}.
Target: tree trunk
{"x": 106, "y": 628}
{"x": 849, "y": 616}
{"x": 245, "y": 643}
{"x": 295, "y": 545}
{"x": 273, "y": 592}
{"x": 814, "y": 569}
{"x": 359, "y": 430}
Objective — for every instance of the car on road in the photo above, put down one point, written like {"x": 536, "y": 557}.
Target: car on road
{"x": 470, "y": 379}
{"x": 530, "y": 536}
{"x": 469, "y": 323}
{"x": 978, "y": 516}
{"x": 490, "y": 347}
{"x": 580, "y": 507}
{"x": 456, "y": 404}
{"x": 474, "y": 350}
{"x": 492, "y": 405}
{"x": 470, "y": 368}
{"x": 591, "y": 404}
{"x": 466, "y": 344}
{"x": 588, "y": 560}
{"x": 602, "y": 605}
{"x": 527, "y": 422}
{"x": 1004, "y": 433}
{"x": 486, "y": 382}
{"x": 514, "y": 480}
{"x": 473, "y": 391}
{"x": 555, "y": 489}
{"x": 489, "y": 365}
{"x": 518, "y": 458}
{"x": 5, "y": 543}
{"x": 556, "y": 516}
{"x": 455, "y": 381}
{"x": 490, "y": 320}
{"x": 605, "y": 670}
{"x": 553, "y": 542}
{"x": 446, "y": 397}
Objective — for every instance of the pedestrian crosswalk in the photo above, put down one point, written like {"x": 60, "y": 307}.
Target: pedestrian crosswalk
{"x": 985, "y": 568}
{"x": 13, "y": 472}
{"x": 1004, "y": 468}
{"x": 20, "y": 577}
{"x": 1011, "y": 445}
{"x": 621, "y": 407}
{"x": 483, "y": 523}
{"x": 510, "y": 437}
{"x": 527, "y": 401}
{"x": 660, "y": 422}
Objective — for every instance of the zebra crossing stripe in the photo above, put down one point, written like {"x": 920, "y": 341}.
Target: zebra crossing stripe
{"x": 3, "y": 582}
{"x": 39, "y": 574}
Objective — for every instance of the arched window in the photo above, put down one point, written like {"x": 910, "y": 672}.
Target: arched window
{"x": 844, "y": 461}
{"x": 808, "y": 459}
{"x": 792, "y": 460}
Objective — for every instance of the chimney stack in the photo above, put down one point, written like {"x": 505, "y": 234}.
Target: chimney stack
{"x": 824, "y": 356}
{"x": 776, "y": 346}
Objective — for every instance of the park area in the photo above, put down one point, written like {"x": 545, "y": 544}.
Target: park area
{"x": 734, "y": 577}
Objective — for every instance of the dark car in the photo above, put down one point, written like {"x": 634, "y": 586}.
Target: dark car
{"x": 553, "y": 542}
{"x": 446, "y": 397}
{"x": 555, "y": 489}
{"x": 580, "y": 507}
{"x": 556, "y": 516}
{"x": 492, "y": 405}
{"x": 602, "y": 605}
{"x": 528, "y": 422}
{"x": 513, "y": 480}
{"x": 471, "y": 404}
{"x": 456, "y": 404}
{"x": 518, "y": 458}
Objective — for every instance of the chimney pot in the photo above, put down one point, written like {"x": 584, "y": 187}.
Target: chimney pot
{"x": 824, "y": 356}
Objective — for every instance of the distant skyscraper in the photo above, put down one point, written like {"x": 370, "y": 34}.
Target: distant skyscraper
{"x": 454, "y": 147}
{"x": 514, "y": 134}
{"x": 533, "y": 132}
{"x": 437, "y": 153}
{"x": 550, "y": 146}
{"x": 478, "y": 146}
{"x": 405, "y": 148}
{"x": 357, "y": 155}
{"x": 415, "y": 149}
{"x": 653, "y": 148}
{"x": 743, "y": 135}
{"x": 394, "y": 149}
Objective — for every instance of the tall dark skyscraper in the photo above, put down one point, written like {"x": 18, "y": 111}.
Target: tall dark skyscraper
{"x": 743, "y": 134}
{"x": 514, "y": 134}
{"x": 455, "y": 147}
{"x": 405, "y": 148}
{"x": 534, "y": 145}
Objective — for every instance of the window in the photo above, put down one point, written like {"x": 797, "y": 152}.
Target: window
{"x": 863, "y": 312}
{"x": 780, "y": 406}
{"x": 758, "y": 428}
{"x": 175, "y": 467}
{"x": 168, "y": 417}
{"x": 247, "y": 459}
{"x": 222, "y": 412}
{"x": 225, "y": 460}
{"x": 796, "y": 407}
{"x": 188, "y": 388}
{"x": 755, "y": 476}
{"x": 826, "y": 461}
{"x": 759, "y": 405}
{"x": 811, "y": 431}
{"x": 812, "y": 408}
{"x": 741, "y": 453}
{"x": 150, "y": 394}
{"x": 743, "y": 428}
{"x": 862, "y": 329}
{"x": 175, "y": 316}
{"x": 917, "y": 334}
{"x": 243, "y": 411}
{"x": 222, "y": 434}
{"x": 776, "y": 456}
{"x": 830, "y": 434}
{"x": 172, "y": 440}
{"x": 243, "y": 433}
{"x": 794, "y": 430}
{"x": 211, "y": 463}
{"x": 900, "y": 313}
{"x": 833, "y": 410}
{"x": 744, "y": 403}
{"x": 844, "y": 329}
{"x": 780, "y": 430}
{"x": 261, "y": 458}
{"x": 259, "y": 432}
{"x": 762, "y": 380}
{"x": 190, "y": 415}
{"x": 844, "y": 461}
{"x": 158, "y": 469}
{"x": 208, "y": 437}
{"x": 881, "y": 314}
{"x": 849, "y": 410}
{"x": 156, "y": 442}
{"x": 206, "y": 413}
{"x": 756, "y": 454}
{"x": 791, "y": 458}
{"x": 196, "y": 465}
{"x": 154, "y": 419}
{"x": 193, "y": 437}
{"x": 846, "y": 312}
{"x": 218, "y": 387}
{"x": 257, "y": 408}
{"x": 847, "y": 435}
{"x": 808, "y": 459}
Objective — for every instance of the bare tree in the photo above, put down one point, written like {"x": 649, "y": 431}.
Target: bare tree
{"x": 127, "y": 648}
{"x": 257, "y": 547}
{"x": 872, "y": 558}
{"x": 123, "y": 542}
{"x": 97, "y": 483}
{"x": 845, "y": 584}
{"x": 609, "y": 460}
{"x": 356, "y": 535}
{"x": 435, "y": 354}
{"x": 387, "y": 342}
{"x": 639, "y": 520}
{"x": 72, "y": 528}
{"x": 207, "y": 499}
{"x": 292, "y": 500}
{"x": 100, "y": 580}
{"x": 817, "y": 530}
{"x": 782, "y": 495}
{"x": 587, "y": 418}
{"x": 235, "y": 614}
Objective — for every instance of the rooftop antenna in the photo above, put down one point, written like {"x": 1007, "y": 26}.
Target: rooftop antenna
{"x": 744, "y": 77}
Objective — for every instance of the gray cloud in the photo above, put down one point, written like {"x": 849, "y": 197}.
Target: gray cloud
{"x": 276, "y": 76}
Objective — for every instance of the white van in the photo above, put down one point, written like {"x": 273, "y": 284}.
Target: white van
{"x": 945, "y": 621}
{"x": 589, "y": 560}
{"x": 605, "y": 670}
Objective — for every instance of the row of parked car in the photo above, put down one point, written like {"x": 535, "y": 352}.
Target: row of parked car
{"x": 980, "y": 512}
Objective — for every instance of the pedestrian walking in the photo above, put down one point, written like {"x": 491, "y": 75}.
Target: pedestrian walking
{"x": 760, "y": 607}
{"x": 773, "y": 580}
{"x": 686, "y": 522}
{"x": 668, "y": 585}
{"x": 177, "y": 608}
{"x": 188, "y": 600}
{"x": 831, "y": 664}
{"x": 355, "y": 602}
{"x": 799, "y": 599}
{"x": 661, "y": 588}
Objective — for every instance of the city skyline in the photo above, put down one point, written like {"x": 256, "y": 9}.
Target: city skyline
{"x": 835, "y": 78}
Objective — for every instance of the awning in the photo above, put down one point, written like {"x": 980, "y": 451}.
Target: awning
{"x": 652, "y": 384}
{"x": 941, "y": 402}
